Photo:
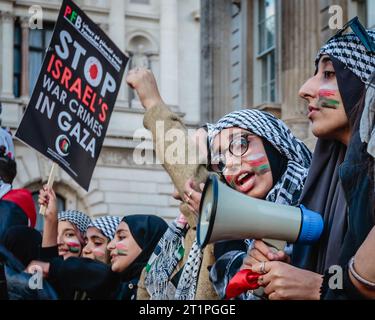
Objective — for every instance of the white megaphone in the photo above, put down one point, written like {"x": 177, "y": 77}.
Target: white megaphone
{"x": 226, "y": 214}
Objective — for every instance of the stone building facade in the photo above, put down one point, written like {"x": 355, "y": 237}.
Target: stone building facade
{"x": 160, "y": 34}
{"x": 258, "y": 53}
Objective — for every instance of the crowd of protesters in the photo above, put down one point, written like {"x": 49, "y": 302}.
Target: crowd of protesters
{"x": 142, "y": 257}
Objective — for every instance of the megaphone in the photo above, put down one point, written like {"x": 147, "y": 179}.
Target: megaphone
{"x": 226, "y": 214}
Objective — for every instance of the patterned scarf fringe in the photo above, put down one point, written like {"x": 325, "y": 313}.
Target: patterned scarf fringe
{"x": 167, "y": 254}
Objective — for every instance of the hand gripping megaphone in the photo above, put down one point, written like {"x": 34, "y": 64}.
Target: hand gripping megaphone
{"x": 226, "y": 214}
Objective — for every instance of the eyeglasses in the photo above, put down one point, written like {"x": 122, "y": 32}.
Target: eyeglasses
{"x": 360, "y": 31}
{"x": 237, "y": 147}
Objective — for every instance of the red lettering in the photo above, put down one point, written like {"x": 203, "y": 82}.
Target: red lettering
{"x": 76, "y": 87}
{"x": 56, "y": 71}
{"x": 66, "y": 76}
{"x": 68, "y": 10}
{"x": 103, "y": 115}
{"x": 50, "y": 63}
{"x": 92, "y": 108}
{"x": 87, "y": 95}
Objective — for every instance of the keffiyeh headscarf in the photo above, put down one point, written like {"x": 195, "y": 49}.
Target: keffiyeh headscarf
{"x": 349, "y": 50}
{"x": 79, "y": 219}
{"x": 107, "y": 225}
{"x": 323, "y": 190}
{"x": 289, "y": 187}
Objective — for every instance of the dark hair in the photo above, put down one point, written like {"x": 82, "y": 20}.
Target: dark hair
{"x": 8, "y": 169}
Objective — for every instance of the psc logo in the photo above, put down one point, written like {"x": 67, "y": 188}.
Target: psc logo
{"x": 62, "y": 145}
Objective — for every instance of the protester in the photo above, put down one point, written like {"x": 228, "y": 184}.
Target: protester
{"x": 359, "y": 274}
{"x": 198, "y": 287}
{"x": 256, "y": 154}
{"x": 99, "y": 233}
{"x": 16, "y": 206}
{"x": 339, "y": 184}
{"x": 135, "y": 240}
{"x": 64, "y": 231}
{"x": 24, "y": 243}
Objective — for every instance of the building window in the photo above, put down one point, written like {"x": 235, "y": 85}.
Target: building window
{"x": 17, "y": 61}
{"x": 140, "y": 1}
{"x": 370, "y": 14}
{"x": 40, "y": 219}
{"x": 237, "y": 47}
{"x": 266, "y": 49}
{"x": 38, "y": 42}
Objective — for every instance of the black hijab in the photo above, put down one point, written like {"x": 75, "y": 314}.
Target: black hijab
{"x": 323, "y": 191}
{"x": 146, "y": 231}
{"x": 24, "y": 243}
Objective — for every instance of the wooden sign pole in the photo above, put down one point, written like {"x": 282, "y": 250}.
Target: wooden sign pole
{"x": 51, "y": 179}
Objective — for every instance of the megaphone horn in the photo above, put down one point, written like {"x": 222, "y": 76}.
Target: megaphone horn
{"x": 226, "y": 214}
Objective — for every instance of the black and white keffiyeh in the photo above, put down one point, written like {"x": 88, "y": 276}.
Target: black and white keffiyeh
{"x": 163, "y": 261}
{"x": 79, "y": 219}
{"x": 349, "y": 50}
{"x": 107, "y": 225}
{"x": 288, "y": 189}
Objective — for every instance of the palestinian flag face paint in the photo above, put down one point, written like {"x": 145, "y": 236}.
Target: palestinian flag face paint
{"x": 231, "y": 181}
{"x": 98, "y": 252}
{"x": 121, "y": 249}
{"x": 73, "y": 247}
{"x": 259, "y": 163}
{"x": 327, "y": 99}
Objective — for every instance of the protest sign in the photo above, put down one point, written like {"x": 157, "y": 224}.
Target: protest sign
{"x": 69, "y": 110}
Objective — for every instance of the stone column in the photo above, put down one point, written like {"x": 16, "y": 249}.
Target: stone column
{"x": 169, "y": 51}
{"x": 25, "y": 57}
{"x": 117, "y": 32}
{"x": 299, "y": 45}
{"x": 215, "y": 59}
{"x": 7, "y": 27}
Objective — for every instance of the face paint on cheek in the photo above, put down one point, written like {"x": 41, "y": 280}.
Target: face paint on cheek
{"x": 327, "y": 100}
{"x": 73, "y": 247}
{"x": 230, "y": 181}
{"x": 259, "y": 163}
{"x": 121, "y": 249}
{"x": 98, "y": 253}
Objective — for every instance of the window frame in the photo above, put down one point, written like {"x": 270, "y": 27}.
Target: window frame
{"x": 370, "y": 23}
{"x": 266, "y": 54}
{"x": 47, "y": 26}
{"x": 18, "y": 47}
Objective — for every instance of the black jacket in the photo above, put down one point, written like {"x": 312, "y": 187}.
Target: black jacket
{"x": 357, "y": 185}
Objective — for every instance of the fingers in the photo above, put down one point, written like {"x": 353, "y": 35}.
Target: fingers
{"x": 135, "y": 75}
{"x": 248, "y": 262}
{"x": 43, "y": 197}
{"x": 176, "y": 195}
{"x": 268, "y": 252}
{"x": 262, "y": 267}
{"x": 190, "y": 193}
{"x": 257, "y": 255}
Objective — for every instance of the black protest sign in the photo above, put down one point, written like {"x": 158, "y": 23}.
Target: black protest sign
{"x": 69, "y": 111}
